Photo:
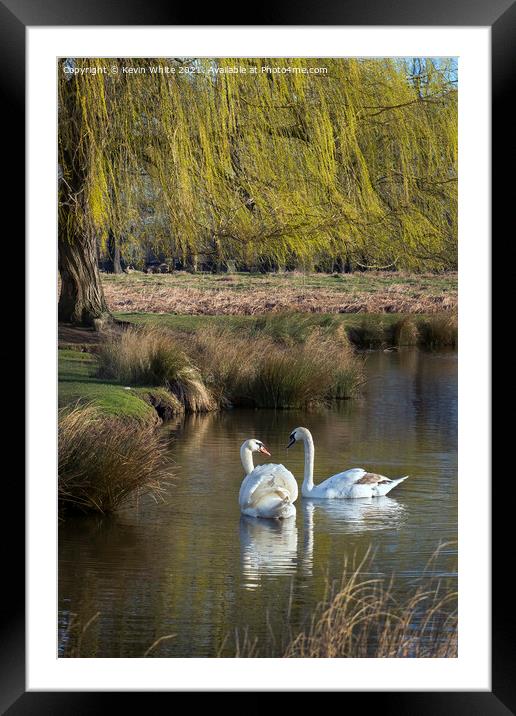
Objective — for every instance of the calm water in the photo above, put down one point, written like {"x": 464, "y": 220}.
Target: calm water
{"x": 195, "y": 568}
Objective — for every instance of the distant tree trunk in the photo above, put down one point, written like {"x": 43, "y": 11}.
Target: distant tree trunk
{"x": 343, "y": 264}
{"x": 218, "y": 260}
{"x": 114, "y": 264}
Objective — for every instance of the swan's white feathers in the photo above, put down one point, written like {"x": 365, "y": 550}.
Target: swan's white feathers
{"x": 357, "y": 483}
{"x": 268, "y": 491}
{"x": 269, "y": 476}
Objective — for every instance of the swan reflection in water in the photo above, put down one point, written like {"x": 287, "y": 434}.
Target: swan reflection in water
{"x": 367, "y": 514}
{"x": 267, "y": 547}
{"x": 272, "y": 548}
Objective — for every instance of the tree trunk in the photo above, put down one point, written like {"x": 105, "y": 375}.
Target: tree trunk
{"x": 82, "y": 298}
{"x": 114, "y": 264}
{"x": 193, "y": 262}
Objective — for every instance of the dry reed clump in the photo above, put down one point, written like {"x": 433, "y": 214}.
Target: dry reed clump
{"x": 363, "y": 617}
{"x": 151, "y": 356}
{"x": 438, "y": 331}
{"x": 277, "y": 366}
{"x": 191, "y": 391}
{"x": 226, "y": 359}
{"x": 405, "y": 332}
{"x": 103, "y": 460}
{"x": 315, "y": 371}
{"x": 293, "y": 328}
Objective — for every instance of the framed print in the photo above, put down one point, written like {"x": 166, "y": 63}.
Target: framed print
{"x": 261, "y": 237}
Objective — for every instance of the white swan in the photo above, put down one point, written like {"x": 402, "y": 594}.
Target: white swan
{"x": 267, "y": 490}
{"x": 351, "y": 483}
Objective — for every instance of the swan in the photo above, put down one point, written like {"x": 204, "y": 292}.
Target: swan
{"x": 267, "y": 490}
{"x": 351, "y": 483}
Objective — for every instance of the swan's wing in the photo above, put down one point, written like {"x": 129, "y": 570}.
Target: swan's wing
{"x": 372, "y": 478}
{"x": 346, "y": 478}
{"x": 267, "y": 478}
{"x": 284, "y": 477}
{"x": 360, "y": 478}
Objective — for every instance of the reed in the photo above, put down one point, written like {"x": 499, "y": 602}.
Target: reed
{"x": 105, "y": 461}
{"x": 280, "y": 365}
{"x": 439, "y": 331}
{"x": 152, "y": 357}
{"x": 370, "y": 617}
{"x": 226, "y": 359}
{"x": 294, "y": 328}
{"x": 405, "y": 332}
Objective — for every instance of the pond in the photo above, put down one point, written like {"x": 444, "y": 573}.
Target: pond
{"x": 192, "y": 567}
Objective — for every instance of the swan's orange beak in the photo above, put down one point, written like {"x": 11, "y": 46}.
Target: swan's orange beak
{"x": 264, "y": 450}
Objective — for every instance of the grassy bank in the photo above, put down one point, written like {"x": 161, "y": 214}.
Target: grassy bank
{"x": 113, "y": 394}
{"x": 280, "y": 362}
{"x": 109, "y": 448}
{"x": 79, "y": 382}
{"x": 250, "y": 294}
{"x": 364, "y": 330}
{"x": 168, "y": 363}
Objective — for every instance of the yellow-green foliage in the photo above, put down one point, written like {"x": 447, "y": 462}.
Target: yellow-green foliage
{"x": 360, "y": 162}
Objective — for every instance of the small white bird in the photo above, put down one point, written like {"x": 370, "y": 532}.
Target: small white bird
{"x": 267, "y": 490}
{"x": 356, "y": 482}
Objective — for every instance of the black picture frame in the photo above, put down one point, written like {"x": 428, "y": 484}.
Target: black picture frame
{"x": 15, "y": 16}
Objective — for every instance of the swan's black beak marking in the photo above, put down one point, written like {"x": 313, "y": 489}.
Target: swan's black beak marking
{"x": 292, "y": 441}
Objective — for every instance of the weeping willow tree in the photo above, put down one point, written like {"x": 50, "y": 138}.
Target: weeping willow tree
{"x": 255, "y": 159}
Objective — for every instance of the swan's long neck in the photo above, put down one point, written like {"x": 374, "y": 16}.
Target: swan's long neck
{"x": 246, "y": 456}
{"x": 308, "y": 482}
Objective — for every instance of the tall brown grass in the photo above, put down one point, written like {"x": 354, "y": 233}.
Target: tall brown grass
{"x": 226, "y": 359}
{"x": 438, "y": 331}
{"x": 277, "y": 369}
{"x": 151, "y": 356}
{"x": 294, "y": 328}
{"x": 105, "y": 460}
{"x": 247, "y": 295}
{"x": 316, "y": 371}
{"x": 370, "y": 617}
{"x": 405, "y": 332}
{"x": 432, "y": 331}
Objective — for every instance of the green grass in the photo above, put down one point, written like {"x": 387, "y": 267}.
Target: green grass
{"x": 193, "y": 323}
{"x": 243, "y": 281}
{"x": 78, "y": 381}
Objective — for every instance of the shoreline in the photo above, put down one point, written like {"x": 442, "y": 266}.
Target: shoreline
{"x": 79, "y": 381}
